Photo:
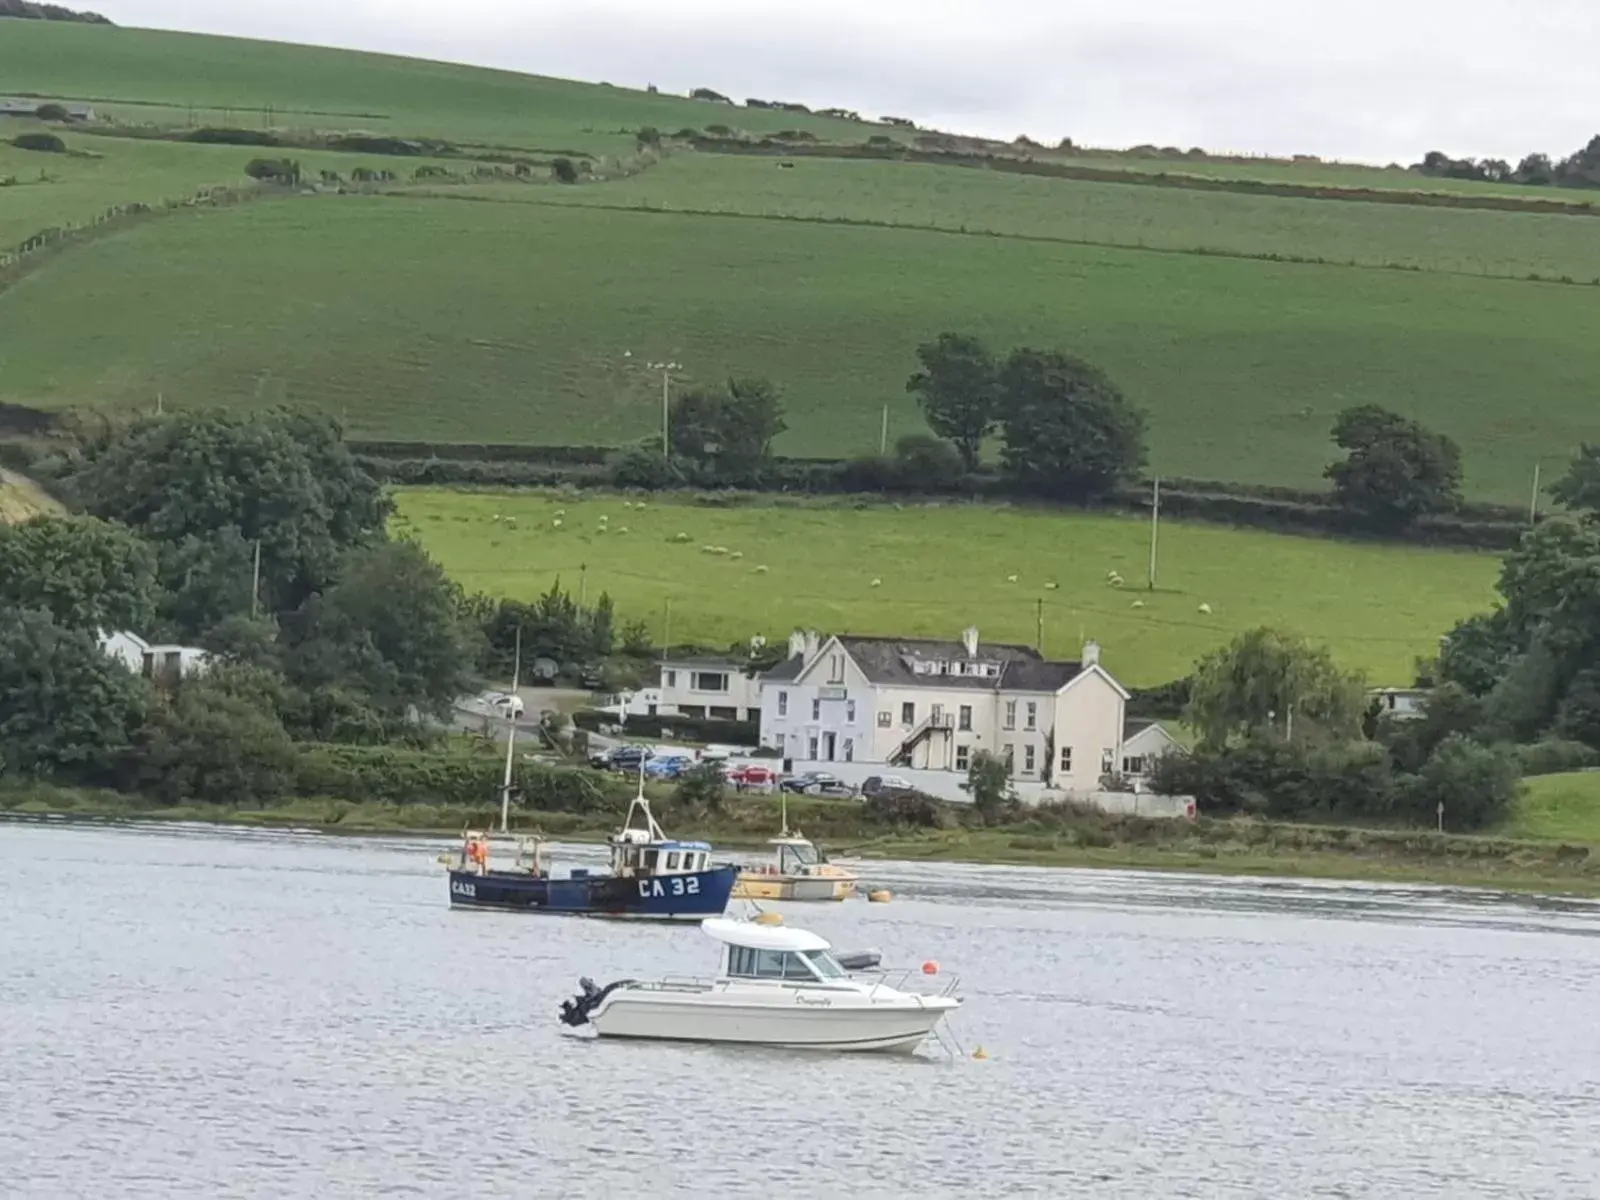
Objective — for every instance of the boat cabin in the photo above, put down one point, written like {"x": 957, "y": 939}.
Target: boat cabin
{"x": 660, "y": 858}
{"x": 773, "y": 954}
{"x": 796, "y": 856}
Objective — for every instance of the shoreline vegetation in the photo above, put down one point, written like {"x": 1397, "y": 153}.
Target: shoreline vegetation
{"x": 1211, "y": 846}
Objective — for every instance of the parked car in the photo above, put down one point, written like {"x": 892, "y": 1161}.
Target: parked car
{"x": 623, "y": 758}
{"x": 753, "y": 777}
{"x": 875, "y": 785}
{"x": 503, "y": 704}
{"x": 817, "y": 783}
{"x": 664, "y": 766}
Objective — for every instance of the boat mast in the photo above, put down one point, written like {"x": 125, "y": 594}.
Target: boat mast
{"x": 783, "y": 808}
{"x": 642, "y": 804}
{"x": 511, "y": 737}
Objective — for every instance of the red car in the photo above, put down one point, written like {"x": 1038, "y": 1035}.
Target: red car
{"x": 753, "y": 776}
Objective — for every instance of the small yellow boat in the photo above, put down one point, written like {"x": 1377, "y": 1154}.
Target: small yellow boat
{"x": 798, "y": 871}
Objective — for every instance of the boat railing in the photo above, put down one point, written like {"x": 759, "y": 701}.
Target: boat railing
{"x": 902, "y": 979}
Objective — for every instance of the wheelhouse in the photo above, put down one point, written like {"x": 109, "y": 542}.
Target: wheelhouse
{"x": 796, "y": 857}
{"x": 661, "y": 858}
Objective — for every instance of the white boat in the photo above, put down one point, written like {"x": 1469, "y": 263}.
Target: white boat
{"x": 776, "y": 987}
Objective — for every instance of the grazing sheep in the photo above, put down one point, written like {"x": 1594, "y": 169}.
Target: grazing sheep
{"x": 1011, "y": 578}
{"x": 622, "y": 529}
{"x": 877, "y": 583}
{"x": 708, "y": 549}
{"x": 1138, "y": 603}
{"x": 1205, "y": 608}
{"x": 737, "y": 554}
{"x": 761, "y": 570}
{"x": 1050, "y": 587}
{"x": 680, "y": 537}
{"x": 556, "y": 524}
{"x": 497, "y": 516}
{"x": 719, "y": 549}
{"x": 561, "y": 512}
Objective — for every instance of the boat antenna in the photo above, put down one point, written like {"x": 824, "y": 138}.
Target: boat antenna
{"x": 511, "y": 737}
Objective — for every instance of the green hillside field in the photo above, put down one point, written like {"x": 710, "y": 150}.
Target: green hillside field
{"x": 941, "y": 568}
{"x": 522, "y": 312}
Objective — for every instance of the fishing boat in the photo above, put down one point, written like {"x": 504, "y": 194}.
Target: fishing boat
{"x": 775, "y": 986}
{"x": 651, "y": 876}
{"x": 797, "y": 871}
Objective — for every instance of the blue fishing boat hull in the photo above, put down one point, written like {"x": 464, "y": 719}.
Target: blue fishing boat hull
{"x": 685, "y": 897}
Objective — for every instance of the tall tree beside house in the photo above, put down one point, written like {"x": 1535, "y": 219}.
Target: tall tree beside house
{"x": 87, "y": 573}
{"x": 1394, "y": 470}
{"x": 283, "y": 477}
{"x": 1270, "y": 684}
{"x": 727, "y": 433}
{"x": 959, "y": 390}
{"x": 989, "y": 785}
{"x": 67, "y": 708}
{"x": 1069, "y": 431}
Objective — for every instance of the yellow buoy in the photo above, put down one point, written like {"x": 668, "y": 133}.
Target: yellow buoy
{"x": 980, "y": 1053}
{"x": 769, "y": 918}
{"x": 881, "y": 896}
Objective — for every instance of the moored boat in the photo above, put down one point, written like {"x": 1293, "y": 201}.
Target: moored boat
{"x": 797, "y": 871}
{"x": 776, "y": 987}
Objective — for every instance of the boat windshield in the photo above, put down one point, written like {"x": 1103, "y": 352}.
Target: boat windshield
{"x": 825, "y": 964}
{"x": 793, "y": 857}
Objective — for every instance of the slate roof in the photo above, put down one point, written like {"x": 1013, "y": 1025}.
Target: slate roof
{"x": 786, "y": 671}
{"x": 1022, "y": 668}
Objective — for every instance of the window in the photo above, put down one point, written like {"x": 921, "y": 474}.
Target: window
{"x": 813, "y": 755}
{"x": 849, "y": 712}
{"x": 885, "y": 719}
{"x": 836, "y": 668}
{"x": 938, "y": 714}
{"x": 1011, "y": 714}
{"x": 783, "y": 704}
{"x": 1066, "y": 760}
{"x": 672, "y": 861}
{"x": 908, "y": 714}
{"x": 1134, "y": 765}
{"x": 1010, "y": 755}
{"x": 826, "y": 965}
{"x": 816, "y": 710}
{"x": 964, "y": 719}
{"x": 672, "y": 678}
{"x": 1027, "y": 759}
{"x": 709, "y": 681}
{"x": 963, "y": 757}
{"x": 723, "y": 712}
{"x": 849, "y": 749}
{"x": 1033, "y": 715}
{"x": 692, "y": 710}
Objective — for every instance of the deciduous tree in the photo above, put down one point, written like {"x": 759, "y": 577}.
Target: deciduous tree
{"x": 1395, "y": 470}
{"x": 959, "y": 390}
{"x": 727, "y": 431}
{"x": 1069, "y": 431}
{"x": 1267, "y": 683}
{"x": 88, "y": 574}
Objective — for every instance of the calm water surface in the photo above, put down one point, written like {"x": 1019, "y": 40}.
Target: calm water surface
{"x": 189, "y": 1013}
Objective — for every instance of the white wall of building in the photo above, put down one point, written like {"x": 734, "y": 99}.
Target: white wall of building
{"x": 694, "y": 685}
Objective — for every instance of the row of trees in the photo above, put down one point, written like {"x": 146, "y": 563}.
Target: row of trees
{"x": 1581, "y": 168}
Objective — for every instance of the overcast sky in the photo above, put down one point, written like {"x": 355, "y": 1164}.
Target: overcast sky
{"x": 1374, "y": 80}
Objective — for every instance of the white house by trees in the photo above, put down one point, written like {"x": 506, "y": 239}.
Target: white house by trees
{"x": 163, "y": 663}
{"x": 931, "y": 705}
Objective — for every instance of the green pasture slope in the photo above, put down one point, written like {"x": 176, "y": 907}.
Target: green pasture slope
{"x": 523, "y": 311}
{"x": 1559, "y": 806}
{"x": 941, "y": 568}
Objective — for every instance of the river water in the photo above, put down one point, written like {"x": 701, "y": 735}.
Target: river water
{"x": 193, "y": 1013}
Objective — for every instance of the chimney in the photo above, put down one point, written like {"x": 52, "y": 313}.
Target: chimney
{"x": 797, "y": 644}
{"x": 969, "y": 639}
{"x": 1091, "y": 654}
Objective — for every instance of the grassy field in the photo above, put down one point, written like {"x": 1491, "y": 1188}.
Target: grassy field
{"x": 1566, "y": 807}
{"x": 522, "y": 313}
{"x": 1472, "y": 241}
{"x": 941, "y": 568}
{"x": 505, "y": 322}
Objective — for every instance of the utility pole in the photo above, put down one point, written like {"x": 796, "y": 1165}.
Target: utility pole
{"x": 583, "y": 584}
{"x": 666, "y": 634}
{"x": 666, "y": 369}
{"x": 1038, "y": 620}
{"x": 883, "y": 436}
{"x": 255, "y": 582}
{"x": 1155, "y": 528}
{"x": 1533, "y": 504}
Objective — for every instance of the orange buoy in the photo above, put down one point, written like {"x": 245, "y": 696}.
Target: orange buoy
{"x": 930, "y": 967}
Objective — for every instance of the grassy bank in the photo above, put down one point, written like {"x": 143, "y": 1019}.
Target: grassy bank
{"x": 1221, "y": 847}
{"x": 943, "y": 567}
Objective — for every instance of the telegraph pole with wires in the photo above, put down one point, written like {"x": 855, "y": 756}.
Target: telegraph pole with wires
{"x": 1155, "y": 529}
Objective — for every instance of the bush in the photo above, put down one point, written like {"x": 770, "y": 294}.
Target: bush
{"x": 274, "y": 170}
{"x": 456, "y": 777}
{"x": 648, "y": 469}
{"x": 1476, "y": 784}
{"x": 563, "y": 171}
{"x": 52, "y": 112}
{"x": 649, "y": 135}
{"x": 363, "y": 143}
{"x": 1163, "y": 700}
{"x": 702, "y": 786}
{"x": 209, "y": 745}
{"x": 928, "y": 463}
{"x": 232, "y": 137}
{"x": 1556, "y": 757}
{"x": 916, "y": 810}
{"x": 45, "y": 143}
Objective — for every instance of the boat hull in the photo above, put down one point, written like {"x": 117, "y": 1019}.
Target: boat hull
{"x": 897, "y": 1028}
{"x": 690, "y": 897}
{"x": 754, "y": 885}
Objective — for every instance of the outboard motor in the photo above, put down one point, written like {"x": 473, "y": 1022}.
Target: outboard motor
{"x": 576, "y": 1011}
